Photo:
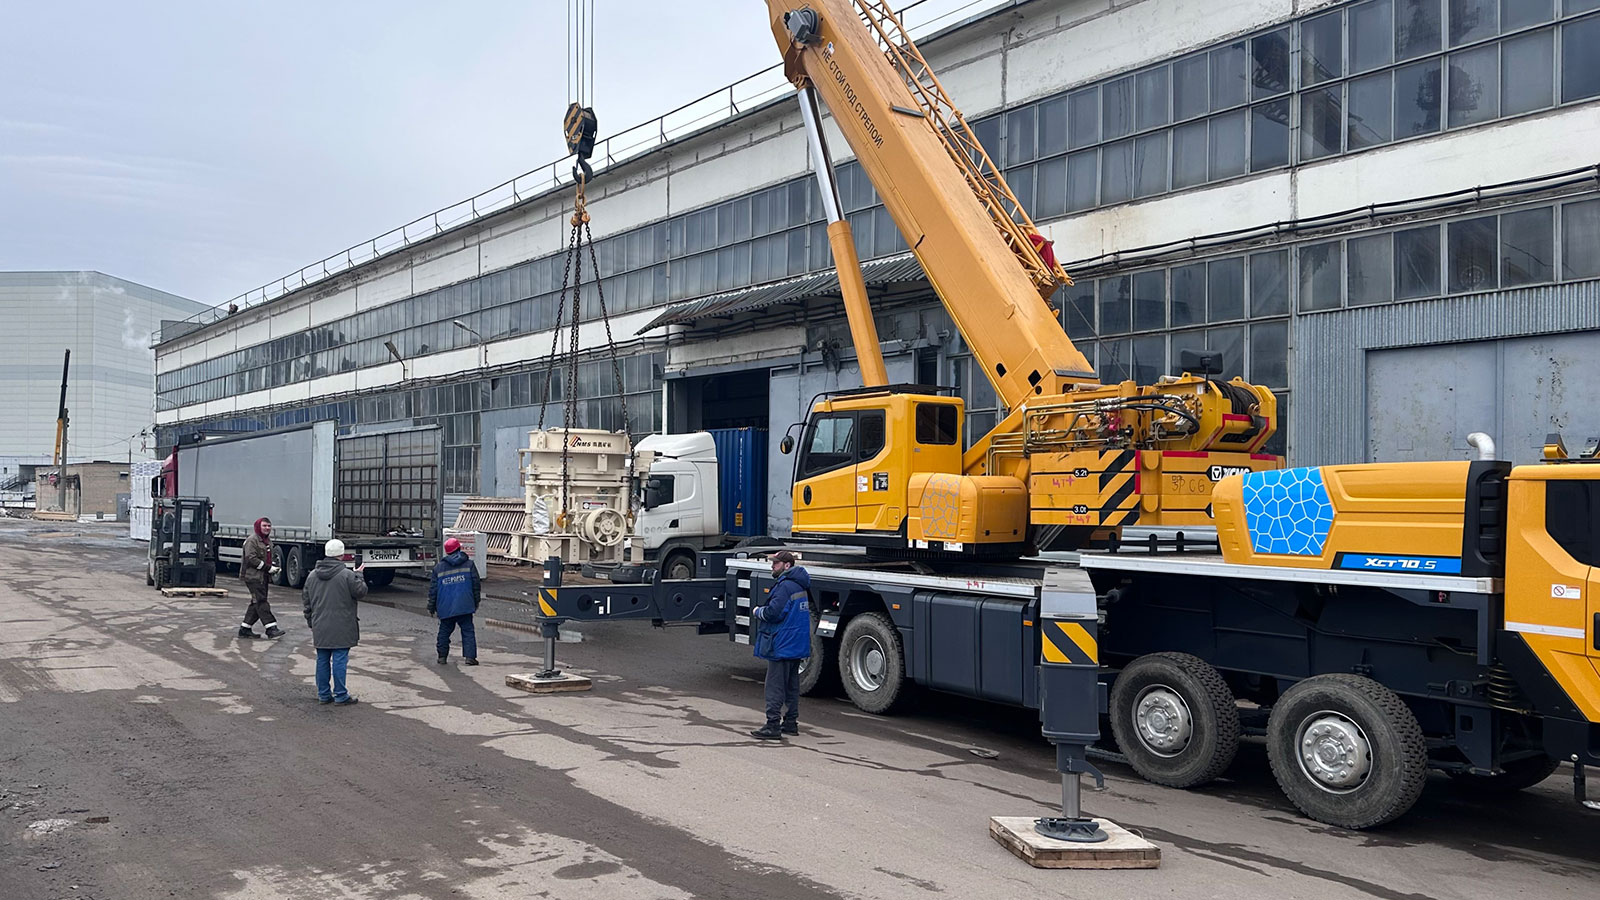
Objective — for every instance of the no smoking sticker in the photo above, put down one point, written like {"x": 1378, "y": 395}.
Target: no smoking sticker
{"x": 1566, "y": 592}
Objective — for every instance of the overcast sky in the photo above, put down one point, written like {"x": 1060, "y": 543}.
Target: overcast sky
{"x": 205, "y": 148}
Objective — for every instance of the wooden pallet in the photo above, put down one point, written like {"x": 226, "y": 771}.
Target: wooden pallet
{"x": 194, "y": 592}
{"x": 563, "y": 683}
{"x": 1121, "y": 850}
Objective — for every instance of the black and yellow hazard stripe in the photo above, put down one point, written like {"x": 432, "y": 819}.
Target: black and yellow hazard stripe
{"x": 547, "y": 602}
{"x": 1067, "y": 643}
{"x": 1118, "y": 501}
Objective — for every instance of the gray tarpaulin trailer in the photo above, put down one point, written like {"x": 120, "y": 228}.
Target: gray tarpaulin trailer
{"x": 378, "y": 492}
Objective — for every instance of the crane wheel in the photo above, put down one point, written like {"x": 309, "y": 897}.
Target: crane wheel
{"x": 1347, "y": 751}
{"x": 1175, "y": 719}
{"x": 872, "y": 664}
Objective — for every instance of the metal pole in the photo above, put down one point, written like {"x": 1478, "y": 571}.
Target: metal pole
{"x": 1071, "y": 796}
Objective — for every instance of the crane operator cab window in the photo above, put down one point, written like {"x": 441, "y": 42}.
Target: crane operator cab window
{"x": 936, "y": 424}
{"x": 830, "y": 443}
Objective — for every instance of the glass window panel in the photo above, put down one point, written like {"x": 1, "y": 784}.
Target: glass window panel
{"x": 1371, "y": 35}
{"x": 1116, "y": 305}
{"x": 1269, "y": 284}
{"x": 1527, "y": 79}
{"x": 1475, "y": 86}
{"x": 1269, "y": 354}
{"x": 1020, "y": 181}
{"x": 1053, "y": 126}
{"x": 1051, "y": 191}
{"x": 1370, "y": 110}
{"x": 1573, "y": 7}
{"x": 1527, "y": 247}
{"x": 1116, "y": 172}
{"x": 1416, "y": 262}
{"x": 1269, "y": 64}
{"x": 1228, "y": 76}
{"x": 1473, "y": 20}
{"x": 1189, "y": 155}
{"x": 1116, "y": 116}
{"x": 1083, "y": 179}
{"x": 1190, "y": 94}
{"x": 1580, "y": 240}
{"x": 1580, "y": 62}
{"x": 1188, "y": 295}
{"x": 1150, "y": 300}
{"x": 1320, "y": 276}
{"x": 988, "y": 134}
{"x": 1269, "y": 135}
{"x": 1149, "y": 359}
{"x": 1020, "y": 135}
{"x": 1416, "y": 28}
{"x": 1321, "y": 49}
{"x": 1115, "y": 361}
{"x": 1083, "y": 110}
{"x": 1230, "y": 343}
{"x": 1416, "y": 99}
{"x": 1225, "y": 289}
{"x": 1150, "y": 164}
{"x": 1227, "y": 146}
{"x": 1077, "y": 309}
{"x": 1321, "y": 123}
{"x": 1515, "y": 14}
{"x": 1371, "y": 269}
{"x": 1474, "y": 257}
{"x": 1151, "y": 98}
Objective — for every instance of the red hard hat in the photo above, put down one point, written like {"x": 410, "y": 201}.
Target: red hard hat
{"x": 451, "y": 545}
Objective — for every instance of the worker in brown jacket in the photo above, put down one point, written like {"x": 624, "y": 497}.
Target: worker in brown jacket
{"x": 255, "y": 570}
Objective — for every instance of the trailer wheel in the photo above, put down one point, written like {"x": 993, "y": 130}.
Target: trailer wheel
{"x": 379, "y": 578}
{"x": 819, "y": 672}
{"x": 1175, "y": 719}
{"x": 872, "y": 665}
{"x": 1519, "y": 775}
{"x": 283, "y": 569}
{"x": 678, "y": 566}
{"x": 1347, "y": 751}
{"x": 294, "y": 568}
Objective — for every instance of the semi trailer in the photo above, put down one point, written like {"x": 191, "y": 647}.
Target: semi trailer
{"x": 377, "y": 492}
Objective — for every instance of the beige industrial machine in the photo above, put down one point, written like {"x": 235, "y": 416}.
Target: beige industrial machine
{"x": 575, "y": 488}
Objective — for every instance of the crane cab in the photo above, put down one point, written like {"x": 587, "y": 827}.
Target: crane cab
{"x": 884, "y": 466}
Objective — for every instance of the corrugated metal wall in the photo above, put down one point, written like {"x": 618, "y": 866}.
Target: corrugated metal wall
{"x": 1328, "y": 418}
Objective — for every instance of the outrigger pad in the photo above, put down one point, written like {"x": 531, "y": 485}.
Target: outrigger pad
{"x": 1122, "y": 849}
{"x": 562, "y": 683}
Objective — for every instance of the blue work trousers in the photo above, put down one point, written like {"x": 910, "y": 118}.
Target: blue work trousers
{"x": 332, "y": 662}
{"x": 469, "y": 636}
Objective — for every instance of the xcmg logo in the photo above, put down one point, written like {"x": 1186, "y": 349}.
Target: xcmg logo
{"x": 1217, "y": 473}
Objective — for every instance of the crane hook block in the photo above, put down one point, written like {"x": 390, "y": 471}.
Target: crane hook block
{"x": 580, "y": 127}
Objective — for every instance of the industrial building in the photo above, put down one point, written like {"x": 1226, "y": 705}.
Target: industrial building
{"x": 1388, "y": 211}
{"x": 106, "y": 322}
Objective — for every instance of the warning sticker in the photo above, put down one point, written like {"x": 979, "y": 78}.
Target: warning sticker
{"x": 1566, "y": 592}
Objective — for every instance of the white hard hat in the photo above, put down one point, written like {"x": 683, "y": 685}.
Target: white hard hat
{"x": 333, "y": 548}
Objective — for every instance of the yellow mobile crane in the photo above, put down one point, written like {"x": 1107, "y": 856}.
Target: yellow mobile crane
{"x": 885, "y": 465}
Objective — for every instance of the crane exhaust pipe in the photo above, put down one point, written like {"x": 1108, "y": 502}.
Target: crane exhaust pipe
{"x": 1483, "y": 443}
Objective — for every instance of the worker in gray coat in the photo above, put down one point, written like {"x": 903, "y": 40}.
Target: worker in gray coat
{"x": 330, "y": 594}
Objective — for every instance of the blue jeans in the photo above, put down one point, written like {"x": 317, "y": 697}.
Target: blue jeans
{"x": 469, "y": 636}
{"x": 337, "y": 661}
{"x": 783, "y": 691}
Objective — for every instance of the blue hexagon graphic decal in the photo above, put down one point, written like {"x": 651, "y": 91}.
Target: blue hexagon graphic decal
{"x": 1287, "y": 511}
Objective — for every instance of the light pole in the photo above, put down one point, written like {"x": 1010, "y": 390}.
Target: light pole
{"x": 405, "y": 373}
{"x": 483, "y": 348}
{"x": 142, "y": 433}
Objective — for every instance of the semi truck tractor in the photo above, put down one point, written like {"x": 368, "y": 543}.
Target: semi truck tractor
{"x": 706, "y": 490}
{"x": 377, "y": 492}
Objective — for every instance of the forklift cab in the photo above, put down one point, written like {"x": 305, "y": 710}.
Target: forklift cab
{"x": 183, "y": 547}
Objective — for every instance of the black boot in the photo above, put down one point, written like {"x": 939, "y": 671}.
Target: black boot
{"x": 767, "y": 733}
{"x": 443, "y": 660}
{"x": 273, "y": 631}
{"x": 791, "y": 728}
{"x": 246, "y": 634}
{"x": 471, "y": 660}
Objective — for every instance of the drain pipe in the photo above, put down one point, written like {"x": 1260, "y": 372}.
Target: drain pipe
{"x": 1483, "y": 443}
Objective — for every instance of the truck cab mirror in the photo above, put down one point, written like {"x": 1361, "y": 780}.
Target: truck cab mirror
{"x": 786, "y": 446}
{"x": 1200, "y": 362}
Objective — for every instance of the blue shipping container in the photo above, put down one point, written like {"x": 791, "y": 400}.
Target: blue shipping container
{"x": 742, "y": 466}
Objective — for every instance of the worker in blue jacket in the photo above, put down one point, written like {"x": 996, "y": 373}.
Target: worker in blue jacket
{"x": 783, "y": 639}
{"x": 453, "y": 596}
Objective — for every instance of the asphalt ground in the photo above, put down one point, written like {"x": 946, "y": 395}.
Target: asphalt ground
{"x": 145, "y": 752}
